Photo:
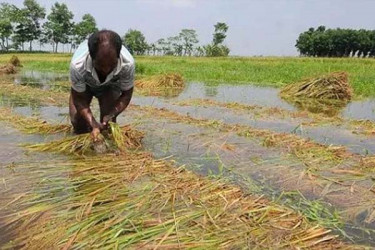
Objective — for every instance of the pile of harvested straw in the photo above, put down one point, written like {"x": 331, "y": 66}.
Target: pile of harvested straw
{"x": 166, "y": 85}
{"x": 11, "y": 67}
{"x": 8, "y": 69}
{"x": 333, "y": 86}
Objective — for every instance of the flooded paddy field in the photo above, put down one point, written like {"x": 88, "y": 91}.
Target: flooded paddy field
{"x": 318, "y": 165}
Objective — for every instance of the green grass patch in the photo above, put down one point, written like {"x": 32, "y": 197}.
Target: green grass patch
{"x": 265, "y": 71}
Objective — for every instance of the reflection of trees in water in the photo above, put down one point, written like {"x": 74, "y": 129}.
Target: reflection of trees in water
{"x": 210, "y": 91}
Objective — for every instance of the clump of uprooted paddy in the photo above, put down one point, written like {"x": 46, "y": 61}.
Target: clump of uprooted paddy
{"x": 325, "y": 94}
{"x": 118, "y": 138}
{"x": 161, "y": 85}
{"x": 11, "y": 67}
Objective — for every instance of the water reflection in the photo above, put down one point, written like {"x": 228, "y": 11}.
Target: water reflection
{"x": 325, "y": 107}
{"x": 43, "y": 80}
{"x": 211, "y": 91}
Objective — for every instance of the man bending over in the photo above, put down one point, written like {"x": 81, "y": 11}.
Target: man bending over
{"x": 103, "y": 68}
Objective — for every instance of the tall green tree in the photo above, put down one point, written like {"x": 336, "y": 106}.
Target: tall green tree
{"x": 220, "y": 33}
{"x": 59, "y": 24}
{"x": 33, "y": 14}
{"x": 7, "y": 13}
{"x": 84, "y": 29}
{"x": 189, "y": 38}
{"x": 175, "y": 46}
{"x": 21, "y": 31}
{"x": 217, "y": 48}
{"x": 135, "y": 41}
{"x": 152, "y": 49}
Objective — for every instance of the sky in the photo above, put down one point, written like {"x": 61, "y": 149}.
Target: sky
{"x": 256, "y": 28}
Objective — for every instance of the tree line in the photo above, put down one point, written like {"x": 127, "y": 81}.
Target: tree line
{"x": 183, "y": 44}
{"x": 322, "y": 42}
{"x": 30, "y": 24}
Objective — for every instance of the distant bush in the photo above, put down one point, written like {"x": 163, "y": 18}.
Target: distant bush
{"x": 216, "y": 50}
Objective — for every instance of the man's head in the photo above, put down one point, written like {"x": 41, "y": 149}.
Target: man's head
{"x": 104, "y": 48}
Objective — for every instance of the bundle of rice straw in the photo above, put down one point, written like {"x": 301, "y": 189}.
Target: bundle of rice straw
{"x": 166, "y": 84}
{"x": 8, "y": 69}
{"x": 11, "y": 67}
{"x": 172, "y": 80}
{"x": 15, "y": 61}
{"x": 334, "y": 86}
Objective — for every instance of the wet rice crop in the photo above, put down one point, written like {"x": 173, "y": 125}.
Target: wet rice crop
{"x": 33, "y": 95}
{"x": 135, "y": 201}
{"x": 31, "y": 125}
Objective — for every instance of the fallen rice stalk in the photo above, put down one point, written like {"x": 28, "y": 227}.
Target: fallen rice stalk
{"x": 365, "y": 127}
{"x": 31, "y": 125}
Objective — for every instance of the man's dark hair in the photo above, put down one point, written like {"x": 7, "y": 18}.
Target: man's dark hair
{"x": 104, "y": 35}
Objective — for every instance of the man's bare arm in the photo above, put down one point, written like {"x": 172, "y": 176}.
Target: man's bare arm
{"x": 120, "y": 106}
{"x": 82, "y": 103}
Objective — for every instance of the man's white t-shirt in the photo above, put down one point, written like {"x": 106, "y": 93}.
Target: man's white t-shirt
{"x": 83, "y": 73}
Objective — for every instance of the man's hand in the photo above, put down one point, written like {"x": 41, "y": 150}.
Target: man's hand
{"x": 106, "y": 120}
{"x": 94, "y": 134}
{"x": 96, "y": 128}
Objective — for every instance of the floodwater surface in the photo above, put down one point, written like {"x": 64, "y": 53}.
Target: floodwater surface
{"x": 245, "y": 94}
